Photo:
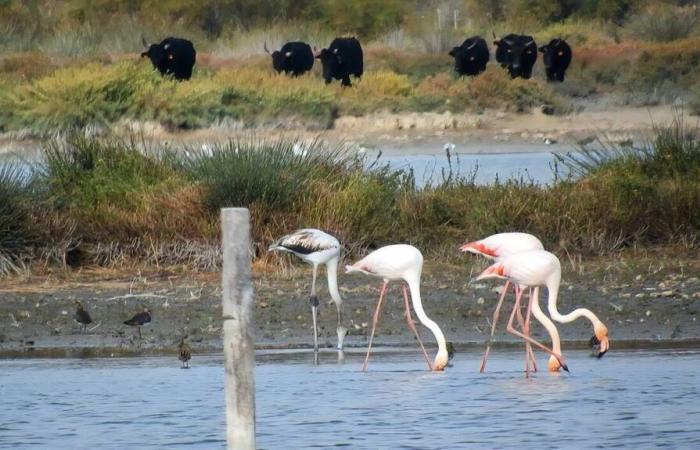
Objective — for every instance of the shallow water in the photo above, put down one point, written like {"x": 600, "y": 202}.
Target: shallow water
{"x": 485, "y": 164}
{"x": 629, "y": 399}
{"x": 483, "y": 168}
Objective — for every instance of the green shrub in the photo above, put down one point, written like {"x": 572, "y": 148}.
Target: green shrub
{"x": 664, "y": 23}
{"x": 16, "y": 228}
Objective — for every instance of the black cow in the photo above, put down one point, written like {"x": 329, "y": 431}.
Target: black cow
{"x": 341, "y": 59}
{"x": 294, "y": 57}
{"x": 502, "y": 53}
{"x": 518, "y": 53}
{"x": 557, "y": 57}
{"x": 172, "y": 56}
{"x": 471, "y": 57}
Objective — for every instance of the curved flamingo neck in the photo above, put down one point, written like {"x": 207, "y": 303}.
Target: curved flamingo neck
{"x": 545, "y": 321}
{"x": 553, "y": 294}
{"x": 332, "y": 274}
{"x": 414, "y": 287}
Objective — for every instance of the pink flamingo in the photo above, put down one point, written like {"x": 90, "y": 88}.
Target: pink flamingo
{"x": 496, "y": 247}
{"x": 541, "y": 268}
{"x": 402, "y": 262}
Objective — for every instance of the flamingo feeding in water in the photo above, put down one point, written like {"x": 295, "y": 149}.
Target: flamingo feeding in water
{"x": 317, "y": 247}
{"x": 495, "y": 247}
{"x": 402, "y": 262}
{"x": 541, "y": 268}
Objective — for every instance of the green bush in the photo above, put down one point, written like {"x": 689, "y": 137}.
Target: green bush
{"x": 16, "y": 228}
{"x": 664, "y": 23}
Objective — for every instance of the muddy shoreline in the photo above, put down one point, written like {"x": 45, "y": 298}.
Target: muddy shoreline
{"x": 646, "y": 303}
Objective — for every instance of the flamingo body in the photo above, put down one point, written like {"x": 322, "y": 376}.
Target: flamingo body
{"x": 541, "y": 268}
{"x": 317, "y": 247}
{"x": 402, "y": 262}
{"x": 503, "y": 244}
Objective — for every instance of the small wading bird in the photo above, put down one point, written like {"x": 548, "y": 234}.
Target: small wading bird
{"x": 402, "y": 262}
{"x": 139, "y": 320}
{"x": 82, "y": 316}
{"x": 184, "y": 353}
{"x": 317, "y": 247}
{"x": 495, "y": 247}
{"x": 541, "y": 268}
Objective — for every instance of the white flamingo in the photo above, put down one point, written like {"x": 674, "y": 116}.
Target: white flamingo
{"x": 317, "y": 247}
{"x": 495, "y": 247}
{"x": 541, "y": 268}
{"x": 402, "y": 262}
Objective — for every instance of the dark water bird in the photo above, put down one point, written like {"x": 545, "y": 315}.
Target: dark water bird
{"x": 184, "y": 353}
{"x": 82, "y": 316}
{"x": 140, "y": 319}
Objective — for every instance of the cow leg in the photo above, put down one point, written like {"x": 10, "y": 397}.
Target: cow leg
{"x": 346, "y": 80}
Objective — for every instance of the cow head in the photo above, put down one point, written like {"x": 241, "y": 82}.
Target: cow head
{"x": 279, "y": 59}
{"x": 554, "y": 51}
{"x": 521, "y": 52}
{"x": 331, "y": 61}
{"x": 157, "y": 53}
{"x": 504, "y": 48}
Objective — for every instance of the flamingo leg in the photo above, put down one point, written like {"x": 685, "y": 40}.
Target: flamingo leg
{"x": 412, "y": 326}
{"x": 531, "y": 354}
{"x": 496, "y": 312}
{"x": 314, "y": 307}
{"x": 523, "y": 327}
{"x": 515, "y": 332}
{"x": 375, "y": 320}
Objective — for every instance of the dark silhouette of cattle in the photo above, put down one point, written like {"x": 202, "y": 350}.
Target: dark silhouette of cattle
{"x": 341, "y": 59}
{"x": 517, "y": 53}
{"x": 502, "y": 53}
{"x": 294, "y": 57}
{"x": 471, "y": 57}
{"x": 557, "y": 57}
{"x": 173, "y": 56}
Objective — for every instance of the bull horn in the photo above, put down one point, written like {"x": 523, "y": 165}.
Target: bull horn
{"x": 335, "y": 51}
{"x": 166, "y": 46}
{"x": 145, "y": 44}
{"x": 531, "y": 41}
{"x": 472, "y": 46}
{"x": 288, "y": 54}
{"x": 556, "y": 42}
{"x": 507, "y": 41}
{"x": 265, "y": 47}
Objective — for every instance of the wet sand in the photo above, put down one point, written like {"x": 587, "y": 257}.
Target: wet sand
{"x": 645, "y": 301}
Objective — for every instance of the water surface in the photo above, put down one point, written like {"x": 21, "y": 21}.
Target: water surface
{"x": 629, "y": 399}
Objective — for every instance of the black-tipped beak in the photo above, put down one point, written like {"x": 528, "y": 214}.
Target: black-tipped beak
{"x": 566, "y": 368}
{"x": 594, "y": 342}
{"x": 601, "y": 354}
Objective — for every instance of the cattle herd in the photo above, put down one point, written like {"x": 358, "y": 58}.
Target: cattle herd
{"x": 515, "y": 52}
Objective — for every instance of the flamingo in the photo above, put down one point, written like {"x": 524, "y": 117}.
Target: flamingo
{"x": 542, "y": 268}
{"x": 495, "y": 247}
{"x": 402, "y": 262}
{"x": 317, "y": 247}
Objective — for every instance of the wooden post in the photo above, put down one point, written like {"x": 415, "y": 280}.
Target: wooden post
{"x": 439, "y": 18}
{"x": 454, "y": 18}
{"x": 239, "y": 348}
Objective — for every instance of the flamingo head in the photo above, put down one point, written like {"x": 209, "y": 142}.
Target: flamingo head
{"x": 555, "y": 366}
{"x": 441, "y": 360}
{"x": 600, "y": 339}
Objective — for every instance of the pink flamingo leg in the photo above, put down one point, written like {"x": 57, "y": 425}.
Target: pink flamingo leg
{"x": 375, "y": 320}
{"x": 515, "y": 332}
{"x": 412, "y": 326}
{"x": 496, "y": 313}
{"x": 523, "y": 327}
{"x": 531, "y": 354}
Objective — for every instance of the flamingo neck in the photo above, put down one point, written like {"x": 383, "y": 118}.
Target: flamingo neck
{"x": 414, "y": 287}
{"x": 553, "y": 293}
{"x": 332, "y": 273}
{"x": 545, "y": 321}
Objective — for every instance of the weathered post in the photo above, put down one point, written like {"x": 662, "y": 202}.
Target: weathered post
{"x": 239, "y": 349}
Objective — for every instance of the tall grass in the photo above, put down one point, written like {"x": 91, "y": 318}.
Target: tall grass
{"x": 115, "y": 202}
{"x": 16, "y": 228}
